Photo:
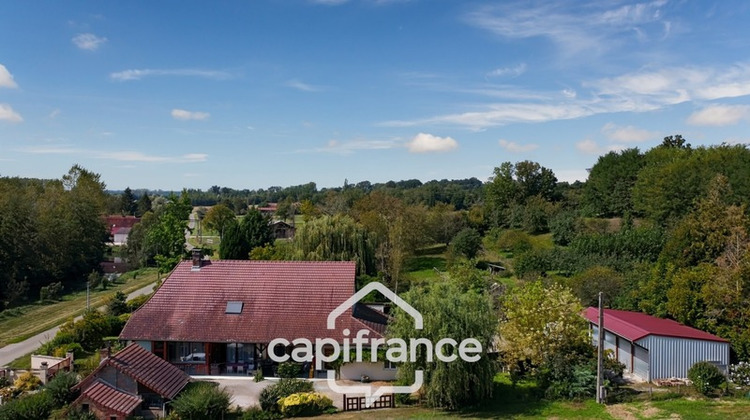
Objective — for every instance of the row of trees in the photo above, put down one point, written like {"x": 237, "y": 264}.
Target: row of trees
{"x": 51, "y": 231}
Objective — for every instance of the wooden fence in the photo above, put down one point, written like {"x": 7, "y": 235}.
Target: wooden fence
{"x": 358, "y": 403}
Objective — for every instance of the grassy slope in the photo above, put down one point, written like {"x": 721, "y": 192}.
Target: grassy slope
{"x": 36, "y": 318}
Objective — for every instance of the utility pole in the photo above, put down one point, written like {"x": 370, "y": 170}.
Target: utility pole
{"x": 600, "y": 356}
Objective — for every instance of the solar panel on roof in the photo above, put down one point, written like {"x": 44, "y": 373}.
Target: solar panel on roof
{"x": 234, "y": 307}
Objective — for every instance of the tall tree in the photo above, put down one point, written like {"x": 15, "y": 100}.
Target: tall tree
{"x": 218, "y": 218}
{"x": 610, "y": 182}
{"x": 449, "y": 311}
{"x": 143, "y": 205}
{"x": 128, "y": 205}
{"x": 254, "y": 230}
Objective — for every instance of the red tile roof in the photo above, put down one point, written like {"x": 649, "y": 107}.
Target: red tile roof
{"x": 105, "y": 396}
{"x": 145, "y": 367}
{"x": 117, "y": 222}
{"x": 282, "y": 299}
{"x": 636, "y": 325}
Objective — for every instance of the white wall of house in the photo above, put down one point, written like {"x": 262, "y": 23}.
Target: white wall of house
{"x": 376, "y": 371}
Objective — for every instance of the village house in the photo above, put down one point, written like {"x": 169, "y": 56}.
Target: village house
{"x": 119, "y": 228}
{"x": 218, "y": 317}
{"x": 655, "y": 348}
{"x": 133, "y": 382}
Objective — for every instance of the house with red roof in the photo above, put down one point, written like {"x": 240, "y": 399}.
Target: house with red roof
{"x": 219, "y": 317}
{"x": 120, "y": 227}
{"x": 133, "y": 382}
{"x": 655, "y": 348}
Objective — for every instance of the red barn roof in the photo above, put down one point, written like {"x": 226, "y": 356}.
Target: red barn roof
{"x": 279, "y": 299}
{"x": 636, "y": 325}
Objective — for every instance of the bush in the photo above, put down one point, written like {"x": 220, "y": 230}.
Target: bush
{"x": 31, "y": 407}
{"x": 706, "y": 377}
{"x": 64, "y": 349}
{"x": 289, "y": 370}
{"x": 51, "y": 292}
{"x": 78, "y": 414}
{"x": 27, "y": 382}
{"x": 256, "y": 413}
{"x": 202, "y": 400}
{"x": 59, "y": 389}
{"x": 258, "y": 377}
{"x": 4, "y": 382}
{"x": 137, "y": 302}
{"x": 304, "y": 404}
{"x": 467, "y": 243}
{"x": 515, "y": 241}
{"x": 739, "y": 374}
{"x": 270, "y": 395}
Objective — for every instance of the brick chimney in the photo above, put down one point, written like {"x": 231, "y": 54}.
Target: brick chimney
{"x": 197, "y": 258}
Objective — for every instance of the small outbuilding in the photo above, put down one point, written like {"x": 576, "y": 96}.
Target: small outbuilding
{"x": 655, "y": 348}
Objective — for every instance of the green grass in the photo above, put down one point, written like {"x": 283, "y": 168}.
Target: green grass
{"x": 522, "y": 402}
{"x": 29, "y": 320}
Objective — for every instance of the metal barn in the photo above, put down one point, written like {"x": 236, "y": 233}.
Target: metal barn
{"x": 654, "y": 348}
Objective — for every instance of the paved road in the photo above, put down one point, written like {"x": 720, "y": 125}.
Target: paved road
{"x": 12, "y": 352}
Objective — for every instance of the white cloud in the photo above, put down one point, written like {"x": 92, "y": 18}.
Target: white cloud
{"x": 591, "y": 147}
{"x": 181, "y": 114}
{"x": 628, "y": 134}
{"x": 138, "y": 74}
{"x": 88, "y": 41}
{"x": 720, "y": 115}
{"x": 349, "y": 147}
{"x": 508, "y": 71}
{"x": 8, "y": 114}
{"x": 427, "y": 143}
{"x": 131, "y": 156}
{"x": 590, "y": 29}
{"x": 120, "y": 156}
{"x": 517, "y": 148}
{"x": 55, "y": 113}
{"x": 642, "y": 91}
{"x": 6, "y": 79}
{"x": 299, "y": 85}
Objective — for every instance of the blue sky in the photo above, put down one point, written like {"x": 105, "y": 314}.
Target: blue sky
{"x": 251, "y": 94}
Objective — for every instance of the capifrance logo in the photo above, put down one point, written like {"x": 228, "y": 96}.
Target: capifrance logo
{"x": 397, "y": 350}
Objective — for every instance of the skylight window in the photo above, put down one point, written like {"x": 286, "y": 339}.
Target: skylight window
{"x": 234, "y": 307}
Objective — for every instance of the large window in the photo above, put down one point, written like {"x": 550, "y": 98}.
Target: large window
{"x": 187, "y": 352}
{"x": 239, "y": 352}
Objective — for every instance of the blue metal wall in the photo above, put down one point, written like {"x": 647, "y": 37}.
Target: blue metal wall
{"x": 671, "y": 357}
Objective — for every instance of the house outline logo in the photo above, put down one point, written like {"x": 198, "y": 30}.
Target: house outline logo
{"x": 373, "y": 395}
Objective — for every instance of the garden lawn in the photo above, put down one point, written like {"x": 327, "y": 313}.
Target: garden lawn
{"x": 20, "y": 323}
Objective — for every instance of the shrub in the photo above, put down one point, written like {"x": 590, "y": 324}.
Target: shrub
{"x": 706, "y": 377}
{"x": 137, "y": 302}
{"x": 202, "y": 400}
{"x": 289, "y": 370}
{"x": 739, "y": 374}
{"x": 256, "y": 413}
{"x": 467, "y": 243}
{"x": 516, "y": 241}
{"x": 51, "y": 292}
{"x": 31, "y": 407}
{"x": 4, "y": 382}
{"x": 258, "y": 377}
{"x": 59, "y": 389}
{"x": 76, "y": 348}
{"x": 27, "y": 382}
{"x": 78, "y": 414}
{"x": 304, "y": 404}
{"x": 270, "y": 395}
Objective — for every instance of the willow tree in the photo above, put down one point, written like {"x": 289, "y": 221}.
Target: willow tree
{"x": 336, "y": 238}
{"x": 450, "y": 311}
